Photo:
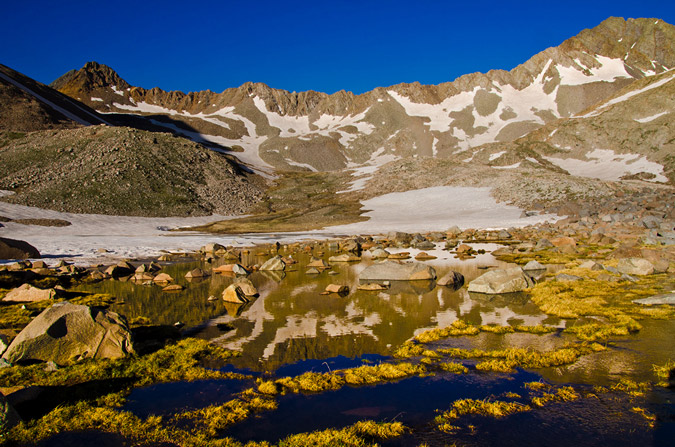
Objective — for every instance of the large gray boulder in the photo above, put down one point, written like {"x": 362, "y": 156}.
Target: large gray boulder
{"x": 66, "y": 331}
{"x": 393, "y": 271}
{"x": 635, "y": 266}
{"x": 15, "y": 249}
{"x": 657, "y": 300}
{"x": 507, "y": 280}
{"x": 29, "y": 294}
{"x": 534, "y": 266}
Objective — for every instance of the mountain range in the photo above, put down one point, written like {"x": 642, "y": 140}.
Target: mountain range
{"x": 597, "y": 108}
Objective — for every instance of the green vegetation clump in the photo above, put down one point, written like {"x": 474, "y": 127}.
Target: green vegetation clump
{"x": 462, "y": 407}
{"x": 177, "y": 362}
{"x": 364, "y": 375}
{"x": 361, "y": 434}
{"x": 564, "y": 394}
{"x": 460, "y": 328}
{"x": 456, "y": 329}
{"x": 505, "y": 360}
{"x": 662, "y": 372}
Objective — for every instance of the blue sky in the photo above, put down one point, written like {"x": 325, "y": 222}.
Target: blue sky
{"x": 294, "y": 45}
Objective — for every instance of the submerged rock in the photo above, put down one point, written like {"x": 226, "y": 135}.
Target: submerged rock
{"x": 66, "y": 332}
{"x": 336, "y": 288}
{"x": 656, "y": 300}
{"x": 394, "y": 271}
{"x": 372, "y": 286}
{"x": 345, "y": 257}
{"x": 507, "y": 280}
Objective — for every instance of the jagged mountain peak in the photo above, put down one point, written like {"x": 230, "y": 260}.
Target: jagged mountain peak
{"x": 90, "y": 77}
{"x": 316, "y": 131}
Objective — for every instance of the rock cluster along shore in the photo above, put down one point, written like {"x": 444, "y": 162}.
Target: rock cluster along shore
{"x": 627, "y": 239}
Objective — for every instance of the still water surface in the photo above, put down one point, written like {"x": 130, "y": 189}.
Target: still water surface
{"x": 291, "y": 328}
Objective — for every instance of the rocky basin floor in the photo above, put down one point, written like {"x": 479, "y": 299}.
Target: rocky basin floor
{"x": 593, "y": 294}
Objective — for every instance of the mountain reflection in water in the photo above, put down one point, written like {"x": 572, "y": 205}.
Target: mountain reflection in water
{"x": 291, "y": 321}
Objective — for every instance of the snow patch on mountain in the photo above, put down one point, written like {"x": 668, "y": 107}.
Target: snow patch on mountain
{"x": 651, "y": 118}
{"x": 290, "y": 126}
{"x": 609, "y": 70}
{"x": 605, "y": 164}
{"x": 366, "y": 171}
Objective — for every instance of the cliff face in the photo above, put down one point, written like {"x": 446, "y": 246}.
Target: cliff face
{"x": 276, "y": 129}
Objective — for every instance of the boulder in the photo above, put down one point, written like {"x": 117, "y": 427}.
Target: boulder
{"x": 424, "y": 256}
{"x": 345, "y": 257}
{"x": 237, "y": 269}
{"x": 464, "y": 249}
{"x": 246, "y": 286}
{"x": 401, "y": 255}
{"x": 173, "y": 288}
{"x": 318, "y": 263}
{"x": 351, "y": 245}
{"x": 399, "y": 237}
{"x": 661, "y": 266}
{"x": 425, "y": 245}
{"x": 534, "y": 265}
{"x": 452, "y": 279}
{"x": 657, "y": 300}
{"x": 394, "y": 271}
{"x": 380, "y": 253}
{"x": 274, "y": 264}
{"x": 66, "y": 332}
{"x": 371, "y": 287}
{"x": 635, "y": 266}
{"x": 591, "y": 265}
{"x": 163, "y": 277}
{"x": 196, "y": 273}
{"x": 143, "y": 276}
{"x": 567, "y": 277}
{"x": 543, "y": 244}
{"x": 212, "y": 248}
{"x": 453, "y": 231}
{"x": 503, "y": 234}
{"x": 234, "y": 294}
{"x": 507, "y": 280}
{"x": 562, "y": 241}
{"x": 117, "y": 272}
{"x": 336, "y": 288}
{"x": 27, "y": 293}
{"x": 16, "y": 249}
